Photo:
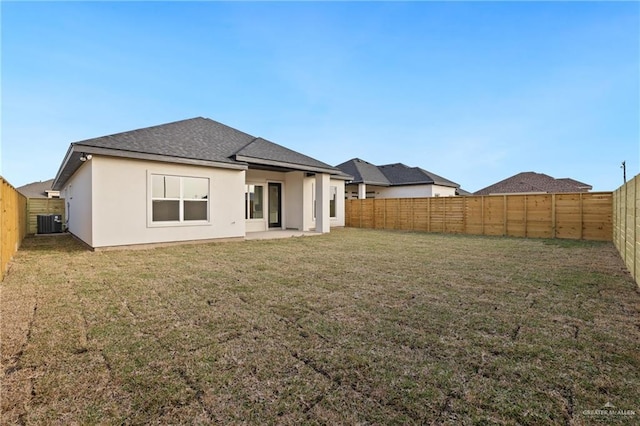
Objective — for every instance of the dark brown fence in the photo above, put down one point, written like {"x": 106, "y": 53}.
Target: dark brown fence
{"x": 586, "y": 216}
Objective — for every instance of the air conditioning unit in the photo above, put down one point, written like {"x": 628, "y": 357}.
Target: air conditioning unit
{"x": 49, "y": 223}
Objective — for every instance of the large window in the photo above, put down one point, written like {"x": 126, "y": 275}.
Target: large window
{"x": 254, "y": 206}
{"x": 179, "y": 198}
{"x": 333, "y": 196}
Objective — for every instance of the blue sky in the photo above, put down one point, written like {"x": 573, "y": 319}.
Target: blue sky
{"x": 474, "y": 92}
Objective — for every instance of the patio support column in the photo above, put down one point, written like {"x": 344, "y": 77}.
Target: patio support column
{"x": 323, "y": 223}
{"x": 362, "y": 191}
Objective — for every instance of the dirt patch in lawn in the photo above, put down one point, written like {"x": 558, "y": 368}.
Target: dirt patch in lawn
{"x": 354, "y": 327}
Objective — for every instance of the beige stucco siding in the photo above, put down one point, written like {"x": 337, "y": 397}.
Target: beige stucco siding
{"x": 309, "y": 213}
{"x": 263, "y": 177}
{"x": 121, "y": 203}
{"x": 294, "y": 210}
{"x": 297, "y": 199}
{"x": 78, "y": 199}
{"x": 406, "y": 191}
{"x": 415, "y": 191}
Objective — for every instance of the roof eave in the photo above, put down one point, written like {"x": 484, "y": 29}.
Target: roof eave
{"x": 57, "y": 184}
{"x": 286, "y": 165}
{"x": 447, "y": 184}
{"x": 72, "y": 163}
{"x": 371, "y": 183}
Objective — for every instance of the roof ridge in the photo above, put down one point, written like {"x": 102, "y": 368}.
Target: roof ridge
{"x": 225, "y": 125}
{"x": 137, "y": 130}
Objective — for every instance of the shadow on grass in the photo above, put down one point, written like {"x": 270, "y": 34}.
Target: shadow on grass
{"x": 53, "y": 243}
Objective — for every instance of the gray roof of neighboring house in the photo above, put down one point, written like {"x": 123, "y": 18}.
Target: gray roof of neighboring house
{"x": 36, "y": 189}
{"x": 584, "y": 186}
{"x": 533, "y": 182}
{"x": 463, "y": 192}
{"x": 364, "y": 172}
{"x": 194, "y": 141}
{"x": 401, "y": 174}
{"x": 391, "y": 174}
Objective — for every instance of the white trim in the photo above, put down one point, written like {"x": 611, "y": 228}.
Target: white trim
{"x": 286, "y": 165}
{"x": 157, "y": 157}
{"x": 264, "y": 204}
{"x": 164, "y": 224}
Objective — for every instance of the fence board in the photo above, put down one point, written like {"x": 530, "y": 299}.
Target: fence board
{"x": 574, "y": 215}
{"x": 13, "y": 228}
{"x": 37, "y": 206}
{"x": 626, "y": 226}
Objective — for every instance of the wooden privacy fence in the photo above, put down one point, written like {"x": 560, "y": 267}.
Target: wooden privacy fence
{"x": 626, "y": 225}
{"x": 13, "y": 223}
{"x": 586, "y": 216}
{"x": 37, "y": 206}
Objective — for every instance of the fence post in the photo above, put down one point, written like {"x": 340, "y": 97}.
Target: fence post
{"x": 581, "y": 216}
{"x": 444, "y": 215}
{"x": 553, "y": 215}
{"x": 504, "y": 216}
{"x": 482, "y": 214}
{"x": 2, "y": 228}
{"x": 526, "y": 214}
{"x": 624, "y": 228}
{"x": 635, "y": 228}
{"x": 413, "y": 214}
{"x": 464, "y": 215}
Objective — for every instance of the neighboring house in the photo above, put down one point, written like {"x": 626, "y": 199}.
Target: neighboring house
{"x": 39, "y": 190}
{"x": 532, "y": 182}
{"x": 194, "y": 179}
{"x": 394, "y": 181}
{"x": 462, "y": 192}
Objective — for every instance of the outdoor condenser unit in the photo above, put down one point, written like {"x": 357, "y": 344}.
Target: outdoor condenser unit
{"x": 49, "y": 223}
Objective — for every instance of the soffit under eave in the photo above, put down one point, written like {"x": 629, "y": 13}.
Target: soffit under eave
{"x": 72, "y": 161}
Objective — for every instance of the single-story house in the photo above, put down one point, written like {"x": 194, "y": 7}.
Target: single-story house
{"x": 194, "y": 179}
{"x": 394, "y": 181}
{"x": 534, "y": 183}
{"x": 41, "y": 189}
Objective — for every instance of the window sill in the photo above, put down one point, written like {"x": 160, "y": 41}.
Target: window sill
{"x": 177, "y": 224}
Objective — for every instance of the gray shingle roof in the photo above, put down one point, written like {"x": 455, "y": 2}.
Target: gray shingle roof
{"x": 197, "y": 140}
{"x": 401, "y": 174}
{"x": 533, "y": 182}
{"x": 262, "y": 149}
{"x": 391, "y": 174}
{"x": 36, "y": 189}
{"x": 364, "y": 172}
{"x": 582, "y": 185}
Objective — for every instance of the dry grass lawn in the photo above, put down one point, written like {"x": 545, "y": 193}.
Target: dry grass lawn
{"x": 354, "y": 327}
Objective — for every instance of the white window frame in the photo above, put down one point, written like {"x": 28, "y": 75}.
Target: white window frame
{"x": 333, "y": 189}
{"x": 264, "y": 201}
{"x": 180, "y": 222}
{"x": 335, "y": 200}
